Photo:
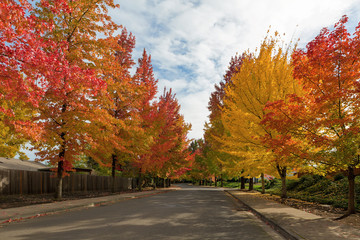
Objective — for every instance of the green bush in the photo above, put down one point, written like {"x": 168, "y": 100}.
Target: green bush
{"x": 292, "y": 184}
{"x": 274, "y": 183}
{"x": 319, "y": 186}
{"x": 338, "y": 177}
{"x": 230, "y": 184}
{"x": 307, "y": 181}
{"x": 318, "y": 189}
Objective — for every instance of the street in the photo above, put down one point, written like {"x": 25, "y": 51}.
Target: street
{"x": 187, "y": 213}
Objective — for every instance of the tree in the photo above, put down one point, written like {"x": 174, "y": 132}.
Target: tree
{"x": 22, "y": 55}
{"x": 24, "y": 63}
{"x": 199, "y": 169}
{"x": 204, "y": 166}
{"x": 327, "y": 117}
{"x": 118, "y": 127}
{"x": 66, "y": 84}
{"x": 147, "y": 109}
{"x": 263, "y": 77}
{"x": 214, "y": 129}
{"x": 68, "y": 106}
{"x": 171, "y": 145}
{"x": 11, "y": 138}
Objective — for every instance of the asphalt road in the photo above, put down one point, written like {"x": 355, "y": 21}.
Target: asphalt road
{"x": 188, "y": 213}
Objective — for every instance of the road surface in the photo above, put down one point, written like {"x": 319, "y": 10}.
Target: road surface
{"x": 187, "y": 213}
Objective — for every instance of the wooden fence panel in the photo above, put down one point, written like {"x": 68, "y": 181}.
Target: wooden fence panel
{"x": 32, "y": 182}
{"x": 13, "y": 182}
{"x": 119, "y": 183}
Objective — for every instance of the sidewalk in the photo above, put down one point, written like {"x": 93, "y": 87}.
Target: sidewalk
{"x": 294, "y": 223}
{"x": 33, "y": 211}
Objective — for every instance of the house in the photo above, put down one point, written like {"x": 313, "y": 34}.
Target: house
{"x": 17, "y": 164}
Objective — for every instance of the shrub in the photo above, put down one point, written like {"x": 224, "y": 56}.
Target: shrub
{"x": 314, "y": 188}
{"x": 307, "y": 181}
{"x": 291, "y": 184}
{"x": 319, "y": 186}
{"x": 338, "y": 177}
{"x": 272, "y": 183}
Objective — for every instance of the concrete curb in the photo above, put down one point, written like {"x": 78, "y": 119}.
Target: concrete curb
{"x": 273, "y": 224}
{"x": 39, "y": 210}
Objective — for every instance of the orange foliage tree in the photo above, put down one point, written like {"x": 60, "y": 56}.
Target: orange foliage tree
{"x": 116, "y": 130}
{"x": 323, "y": 126}
{"x": 68, "y": 106}
{"x": 147, "y": 109}
{"x": 171, "y": 157}
{"x": 78, "y": 90}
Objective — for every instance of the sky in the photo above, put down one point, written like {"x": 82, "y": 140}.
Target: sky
{"x": 192, "y": 41}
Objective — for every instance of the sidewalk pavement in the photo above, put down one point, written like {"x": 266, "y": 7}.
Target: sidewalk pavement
{"x": 33, "y": 211}
{"x": 294, "y": 223}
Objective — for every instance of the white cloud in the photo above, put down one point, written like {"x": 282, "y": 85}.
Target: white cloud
{"x": 191, "y": 42}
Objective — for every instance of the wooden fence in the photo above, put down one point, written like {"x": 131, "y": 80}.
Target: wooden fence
{"x": 31, "y": 182}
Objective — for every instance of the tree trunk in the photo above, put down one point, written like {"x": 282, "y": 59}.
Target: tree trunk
{"x": 262, "y": 183}
{"x": 113, "y": 177}
{"x": 282, "y": 173}
{"x": 153, "y": 182}
{"x": 215, "y": 181}
{"x": 351, "y": 200}
{"x": 242, "y": 183}
{"x": 60, "y": 170}
{"x": 140, "y": 181}
{"x": 251, "y": 184}
{"x": 156, "y": 182}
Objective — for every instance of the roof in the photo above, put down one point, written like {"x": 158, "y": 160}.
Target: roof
{"x": 17, "y": 164}
{"x": 48, "y": 169}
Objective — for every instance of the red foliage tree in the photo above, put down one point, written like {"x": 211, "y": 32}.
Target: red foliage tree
{"x": 147, "y": 110}
{"x": 68, "y": 107}
{"x": 216, "y": 98}
{"x": 169, "y": 154}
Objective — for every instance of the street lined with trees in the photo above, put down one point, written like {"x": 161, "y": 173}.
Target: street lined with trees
{"x": 67, "y": 87}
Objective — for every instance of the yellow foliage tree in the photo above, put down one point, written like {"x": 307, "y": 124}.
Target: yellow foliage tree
{"x": 222, "y": 163}
{"x": 264, "y": 76}
{"x": 13, "y": 114}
